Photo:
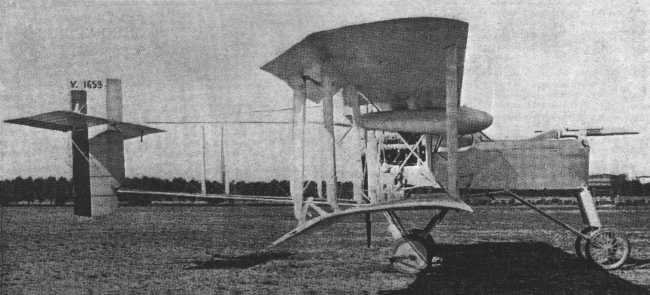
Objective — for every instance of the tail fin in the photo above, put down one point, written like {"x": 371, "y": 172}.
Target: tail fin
{"x": 98, "y": 162}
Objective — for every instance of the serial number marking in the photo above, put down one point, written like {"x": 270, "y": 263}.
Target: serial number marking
{"x": 86, "y": 84}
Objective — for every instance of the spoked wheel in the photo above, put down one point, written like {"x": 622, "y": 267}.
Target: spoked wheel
{"x": 607, "y": 248}
{"x": 413, "y": 253}
{"x": 410, "y": 256}
{"x": 581, "y": 243}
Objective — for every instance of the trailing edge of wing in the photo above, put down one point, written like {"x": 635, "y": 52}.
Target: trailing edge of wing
{"x": 69, "y": 120}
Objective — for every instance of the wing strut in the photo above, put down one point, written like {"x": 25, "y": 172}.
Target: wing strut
{"x": 298, "y": 159}
{"x": 451, "y": 85}
{"x": 329, "y": 146}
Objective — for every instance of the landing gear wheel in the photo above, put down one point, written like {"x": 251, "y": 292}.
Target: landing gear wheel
{"x": 581, "y": 243}
{"x": 410, "y": 256}
{"x": 607, "y": 248}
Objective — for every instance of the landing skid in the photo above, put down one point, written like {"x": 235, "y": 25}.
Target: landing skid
{"x": 414, "y": 251}
{"x": 325, "y": 217}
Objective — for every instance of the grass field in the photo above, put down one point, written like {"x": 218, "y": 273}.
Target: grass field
{"x": 212, "y": 250}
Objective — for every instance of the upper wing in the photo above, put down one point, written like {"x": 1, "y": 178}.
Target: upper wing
{"x": 392, "y": 61}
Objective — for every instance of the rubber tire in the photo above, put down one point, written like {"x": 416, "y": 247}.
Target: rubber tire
{"x": 411, "y": 268}
{"x": 626, "y": 251}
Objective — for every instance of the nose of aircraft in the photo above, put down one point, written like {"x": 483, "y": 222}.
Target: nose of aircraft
{"x": 474, "y": 120}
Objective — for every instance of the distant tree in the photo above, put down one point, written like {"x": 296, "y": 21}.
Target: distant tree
{"x": 158, "y": 184}
{"x": 311, "y": 189}
{"x": 239, "y": 187}
{"x": 38, "y": 189}
{"x": 193, "y": 187}
{"x": 49, "y": 188}
{"x": 179, "y": 184}
{"x": 63, "y": 191}
{"x": 167, "y": 185}
{"x": 214, "y": 187}
{"x": 345, "y": 190}
{"x": 618, "y": 184}
{"x": 28, "y": 186}
{"x": 146, "y": 183}
{"x": 19, "y": 189}
{"x": 6, "y": 192}
{"x": 128, "y": 183}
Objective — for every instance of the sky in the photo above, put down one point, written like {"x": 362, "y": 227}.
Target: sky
{"x": 531, "y": 64}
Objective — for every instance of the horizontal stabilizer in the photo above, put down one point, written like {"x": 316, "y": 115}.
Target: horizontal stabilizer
{"x": 69, "y": 120}
{"x": 130, "y": 130}
{"x": 59, "y": 120}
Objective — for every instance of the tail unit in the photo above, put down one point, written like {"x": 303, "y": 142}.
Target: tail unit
{"x": 98, "y": 159}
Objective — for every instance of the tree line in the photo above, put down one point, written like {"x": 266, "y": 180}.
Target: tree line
{"x": 58, "y": 191}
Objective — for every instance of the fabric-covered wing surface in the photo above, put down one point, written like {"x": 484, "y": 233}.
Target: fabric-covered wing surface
{"x": 130, "y": 130}
{"x": 69, "y": 120}
{"x": 392, "y": 61}
{"x": 59, "y": 120}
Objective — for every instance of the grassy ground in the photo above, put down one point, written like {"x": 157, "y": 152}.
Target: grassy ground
{"x": 212, "y": 250}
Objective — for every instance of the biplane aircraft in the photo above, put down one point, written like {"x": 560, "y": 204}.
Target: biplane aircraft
{"x": 402, "y": 80}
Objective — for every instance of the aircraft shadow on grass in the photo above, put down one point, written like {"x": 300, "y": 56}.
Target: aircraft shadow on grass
{"x": 633, "y": 263}
{"x": 243, "y": 261}
{"x": 516, "y": 268}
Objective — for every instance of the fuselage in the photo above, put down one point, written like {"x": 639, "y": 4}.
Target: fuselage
{"x": 538, "y": 163}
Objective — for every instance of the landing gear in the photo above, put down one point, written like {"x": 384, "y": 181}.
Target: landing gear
{"x": 581, "y": 242}
{"x": 410, "y": 256}
{"x": 607, "y": 248}
{"x": 414, "y": 251}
